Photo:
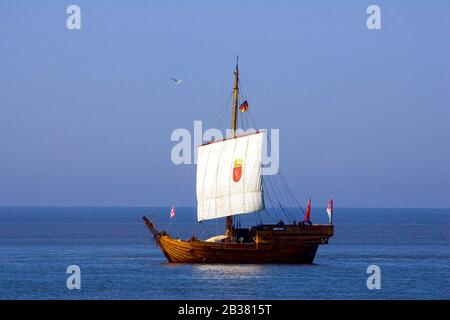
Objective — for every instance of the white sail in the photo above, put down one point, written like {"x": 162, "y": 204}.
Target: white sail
{"x": 229, "y": 177}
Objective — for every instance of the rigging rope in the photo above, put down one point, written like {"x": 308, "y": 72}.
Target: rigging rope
{"x": 289, "y": 196}
{"x": 222, "y": 110}
{"x": 285, "y": 184}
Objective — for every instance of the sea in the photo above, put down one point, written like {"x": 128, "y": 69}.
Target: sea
{"x": 407, "y": 250}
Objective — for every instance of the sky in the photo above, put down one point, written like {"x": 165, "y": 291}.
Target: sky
{"x": 86, "y": 115}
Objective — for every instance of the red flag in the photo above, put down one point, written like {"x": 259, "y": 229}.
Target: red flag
{"x": 308, "y": 211}
{"x": 172, "y": 212}
{"x": 330, "y": 210}
{"x": 244, "y": 106}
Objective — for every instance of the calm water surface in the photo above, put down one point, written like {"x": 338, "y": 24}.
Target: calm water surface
{"x": 118, "y": 260}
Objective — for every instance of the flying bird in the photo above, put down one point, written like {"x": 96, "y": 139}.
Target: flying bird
{"x": 176, "y": 81}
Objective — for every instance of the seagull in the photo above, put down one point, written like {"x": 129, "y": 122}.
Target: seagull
{"x": 177, "y": 81}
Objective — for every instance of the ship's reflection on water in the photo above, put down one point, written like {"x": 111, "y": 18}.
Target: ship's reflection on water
{"x": 228, "y": 271}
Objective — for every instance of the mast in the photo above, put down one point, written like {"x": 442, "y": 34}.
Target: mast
{"x": 229, "y": 226}
{"x": 235, "y": 99}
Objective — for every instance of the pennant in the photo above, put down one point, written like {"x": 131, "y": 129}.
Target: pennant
{"x": 330, "y": 210}
{"x": 308, "y": 211}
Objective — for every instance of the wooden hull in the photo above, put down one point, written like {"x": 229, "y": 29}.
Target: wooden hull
{"x": 195, "y": 251}
{"x": 290, "y": 244}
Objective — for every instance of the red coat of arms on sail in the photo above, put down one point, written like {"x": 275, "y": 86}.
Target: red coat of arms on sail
{"x": 237, "y": 170}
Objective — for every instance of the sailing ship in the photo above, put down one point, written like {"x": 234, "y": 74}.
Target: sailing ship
{"x": 230, "y": 183}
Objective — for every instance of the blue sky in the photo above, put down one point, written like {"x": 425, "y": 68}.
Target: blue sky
{"x": 86, "y": 115}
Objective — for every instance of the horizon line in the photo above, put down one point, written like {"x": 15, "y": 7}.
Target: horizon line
{"x": 184, "y": 206}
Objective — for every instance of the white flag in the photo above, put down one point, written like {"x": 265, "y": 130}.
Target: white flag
{"x": 330, "y": 210}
